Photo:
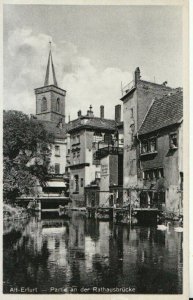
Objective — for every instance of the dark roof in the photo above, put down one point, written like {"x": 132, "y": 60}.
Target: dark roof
{"x": 163, "y": 112}
{"x": 92, "y": 123}
{"x": 55, "y": 129}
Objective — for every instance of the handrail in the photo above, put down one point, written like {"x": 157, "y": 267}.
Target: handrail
{"x": 108, "y": 150}
{"x": 127, "y": 87}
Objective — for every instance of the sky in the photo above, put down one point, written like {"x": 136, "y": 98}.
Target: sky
{"x": 94, "y": 49}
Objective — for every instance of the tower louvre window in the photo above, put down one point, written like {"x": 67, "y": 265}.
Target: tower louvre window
{"x": 44, "y": 106}
{"x": 58, "y": 105}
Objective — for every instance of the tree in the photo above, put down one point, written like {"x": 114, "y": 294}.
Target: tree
{"x": 26, "y": 154}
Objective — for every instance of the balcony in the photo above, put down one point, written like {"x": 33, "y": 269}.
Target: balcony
{"x": 109, "y": 150}
{"x": 127, "y": 88}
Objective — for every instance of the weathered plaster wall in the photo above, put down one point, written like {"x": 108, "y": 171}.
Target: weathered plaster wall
{"x": 135, "y": 108}
{"x": 62, "y": 143}
{"x": 130, "y": 119}
{"x": 169, "y": 160}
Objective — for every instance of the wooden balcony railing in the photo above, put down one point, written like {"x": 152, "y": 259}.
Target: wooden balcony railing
{"x": 100, "y": 153}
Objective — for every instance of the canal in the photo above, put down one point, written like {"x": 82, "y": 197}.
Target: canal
{"x": 60, "y": 254}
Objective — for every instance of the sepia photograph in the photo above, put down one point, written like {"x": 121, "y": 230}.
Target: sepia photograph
{"x": 93, "y": 168}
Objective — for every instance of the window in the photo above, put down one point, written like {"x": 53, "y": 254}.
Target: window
{"x": 107, "y": 138}
{"x": 161, "y": 197}
{"x": 152, "y": 145}
{"x": 78, "y": 156}
{"x": 132, "y": 132}
{"x": 44, "y": 104}
{"x": 146, "y": 174}
{"x": 57, "y": 168}
{"x": 173, "y": 141}
{"x": 139, "y": 164}
{"x": 153, "y": 174}
{"x": 150, "y": 174}
{"x": 144, "y": 147}
{"x": 81, "y": 182}
{"x": 76, "y": 180}
{"x": 181, "y": 180}
{"x": 149, "y": 146}
{"x": 97, "y": 137}
{"x": 58, "y": 105}
{"x": 57, "y": 150}
{"x": 75, "y": 139}
{"x": 78, "y": 139}
{"x": 160, "y": 173}
{"x": 131, "y": 112}
{"x": 97, "y": 175}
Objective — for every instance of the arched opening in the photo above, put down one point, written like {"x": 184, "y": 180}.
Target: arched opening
{"x": 44, "y": 104}
{"x": 58, "y": 105}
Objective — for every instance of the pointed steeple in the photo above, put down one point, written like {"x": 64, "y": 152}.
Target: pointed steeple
{"x": 48, "y": 80}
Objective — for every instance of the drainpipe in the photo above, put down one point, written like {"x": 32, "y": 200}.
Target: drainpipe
{"x": 139, "y": 142}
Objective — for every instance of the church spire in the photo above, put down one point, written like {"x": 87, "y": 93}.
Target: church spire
{"x": 47, "y": 78}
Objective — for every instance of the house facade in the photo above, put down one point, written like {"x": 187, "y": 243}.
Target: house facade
{"x": 91, "y": 139}
{"x": 139, "y": 98}
{"x": 160, "y": 154}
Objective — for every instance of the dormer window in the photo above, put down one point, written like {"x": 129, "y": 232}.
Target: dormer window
{"x": 43, "y": 104}
{"x": 173, "y": 141}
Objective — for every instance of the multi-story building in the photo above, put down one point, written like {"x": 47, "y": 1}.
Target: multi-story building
{"x": 160, "y": 139}
{"x": 50, "y": 110}
{"x": 91, "y": 139}
{"x": 139, "y": 98}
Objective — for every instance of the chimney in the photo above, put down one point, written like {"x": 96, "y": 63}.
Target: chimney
{"x": 137, "y": 75}
{"x": 102, "y": 113}
{"x": 79, "y": 113}
{"x": 118, "y": 113}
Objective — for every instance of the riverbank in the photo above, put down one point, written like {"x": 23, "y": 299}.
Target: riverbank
{"x": 14, "y": 218}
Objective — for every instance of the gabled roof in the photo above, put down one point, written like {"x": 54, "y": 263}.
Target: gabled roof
{"x": 163, "y": 112}
{"x": 92, "y": 123}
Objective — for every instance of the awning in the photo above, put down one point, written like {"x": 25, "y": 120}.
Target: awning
{"x": 56, "y": 184}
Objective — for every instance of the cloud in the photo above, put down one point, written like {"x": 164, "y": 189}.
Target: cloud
{"x": 25, "y": 66}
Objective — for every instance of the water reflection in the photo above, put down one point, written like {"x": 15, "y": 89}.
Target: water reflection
{"x": 61, "y": 253}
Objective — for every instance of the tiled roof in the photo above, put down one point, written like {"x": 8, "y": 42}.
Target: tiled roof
{"x": 92, "y": 123}
{"x": 55, "y": 129}
{"x": 163, "y": 112}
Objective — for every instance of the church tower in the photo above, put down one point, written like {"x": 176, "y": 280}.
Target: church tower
{"x": 50, "y": 99}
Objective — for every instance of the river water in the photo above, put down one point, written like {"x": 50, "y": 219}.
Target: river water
{"x": 58, "y": 254}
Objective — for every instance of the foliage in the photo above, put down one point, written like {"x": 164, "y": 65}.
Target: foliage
{"x": 26, "y": 153}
